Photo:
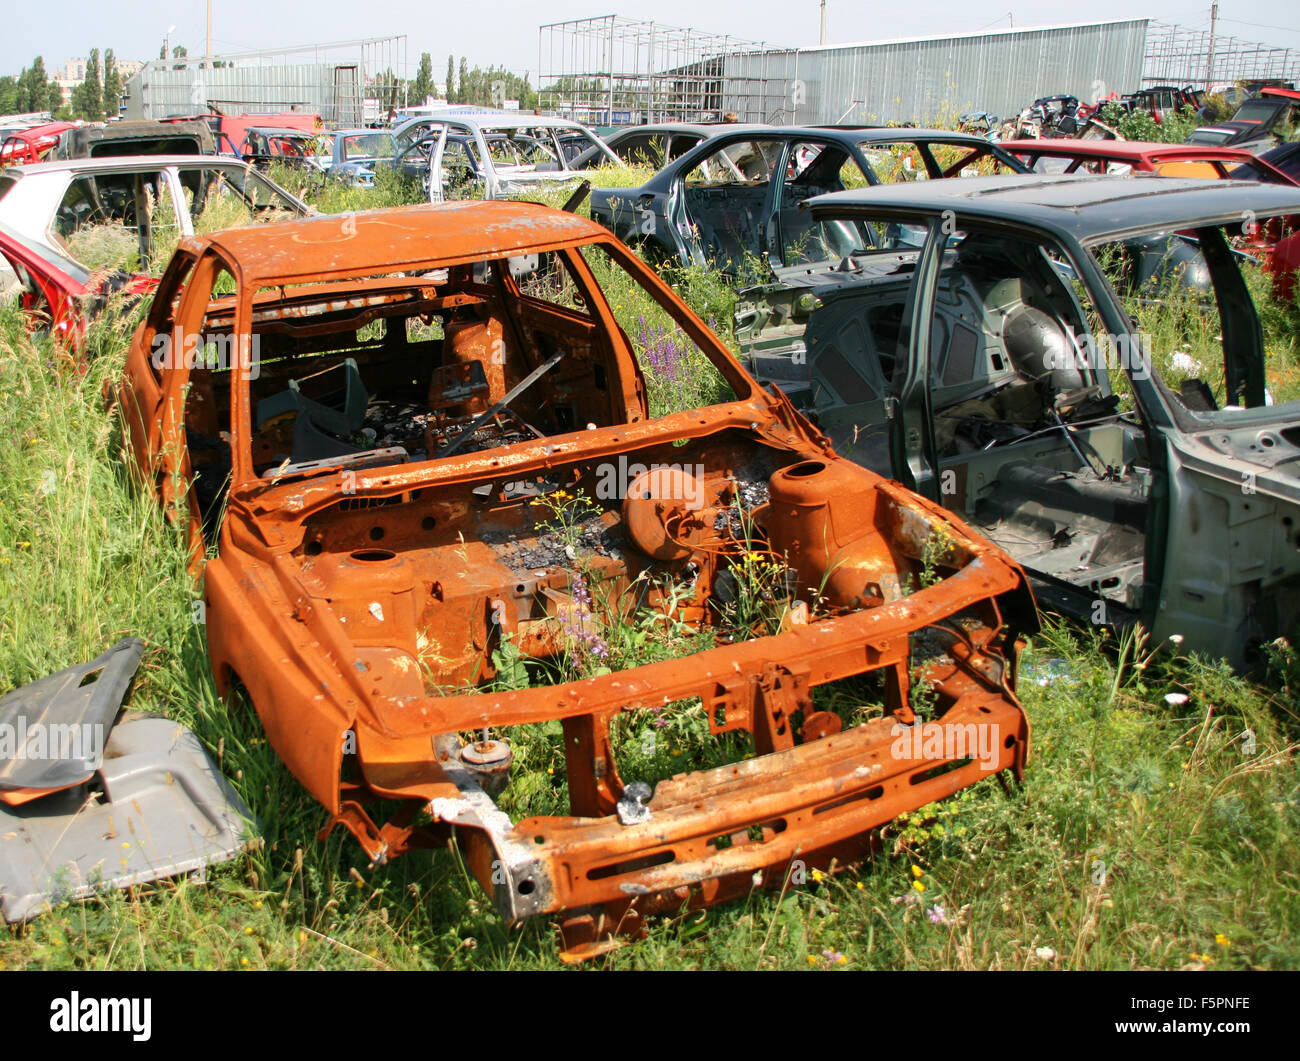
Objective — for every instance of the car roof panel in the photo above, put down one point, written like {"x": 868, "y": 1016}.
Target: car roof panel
{"x": 1084, "y": 206}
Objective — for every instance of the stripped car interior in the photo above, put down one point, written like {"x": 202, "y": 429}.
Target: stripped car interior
{"x": 985, "y": 344}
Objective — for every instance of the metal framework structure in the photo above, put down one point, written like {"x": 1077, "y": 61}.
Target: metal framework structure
{"x": 1178, "y": 56}
{"x": 613, "y": 70}
{"x": 348, "y": 83}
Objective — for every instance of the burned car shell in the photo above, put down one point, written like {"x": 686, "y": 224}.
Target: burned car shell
{"x": 326, "y": 578}
{"x": 1207, "y": 502}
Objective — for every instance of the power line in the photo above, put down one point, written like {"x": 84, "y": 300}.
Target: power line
{"x": 995, "y": 21}
{"x": 1261, "y": 25}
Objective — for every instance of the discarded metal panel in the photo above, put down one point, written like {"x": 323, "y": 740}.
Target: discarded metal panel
{"x": 53, "y": 731}
{"x": 157, "y": 807}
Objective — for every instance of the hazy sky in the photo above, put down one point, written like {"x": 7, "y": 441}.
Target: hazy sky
{"x": 506, "y": 33}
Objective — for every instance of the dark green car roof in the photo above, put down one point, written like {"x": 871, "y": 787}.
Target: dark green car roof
{"x": 1082, "y": 206}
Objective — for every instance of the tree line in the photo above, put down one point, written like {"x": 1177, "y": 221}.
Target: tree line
{"x": 94, "y": 99}
{"x": 488, "y": 87}
{"x": 97, "y": 96}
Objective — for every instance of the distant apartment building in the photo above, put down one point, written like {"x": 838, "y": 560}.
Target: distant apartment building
{"x": 73, "y": 73}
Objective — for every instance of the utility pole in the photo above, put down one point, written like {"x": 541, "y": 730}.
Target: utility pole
{"x": 1209, "y": 58}
{"x": 209, "y": 45}
{"x": 823, "y": 21}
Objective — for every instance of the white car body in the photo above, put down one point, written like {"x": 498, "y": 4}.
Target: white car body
{"x": 32, "y": 197}
{"x": 501, "y": 181}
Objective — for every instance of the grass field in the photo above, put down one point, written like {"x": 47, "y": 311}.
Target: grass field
{"x": 1157, "y": 827}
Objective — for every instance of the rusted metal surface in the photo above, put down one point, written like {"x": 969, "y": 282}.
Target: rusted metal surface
{"x": 363, "y": 599}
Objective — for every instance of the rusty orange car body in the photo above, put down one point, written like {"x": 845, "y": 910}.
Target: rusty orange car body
{"x": 362, "y": 597}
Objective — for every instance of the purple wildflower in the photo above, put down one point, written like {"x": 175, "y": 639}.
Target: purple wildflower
{"x": 579, "y": 622}
{"x": 665, "y": 354}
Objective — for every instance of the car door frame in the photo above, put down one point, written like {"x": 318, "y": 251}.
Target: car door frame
{"x": 773, "y": 238}
{"x": 679, "y": 220}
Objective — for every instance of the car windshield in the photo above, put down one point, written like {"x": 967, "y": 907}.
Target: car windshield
{"x": 455, "y": 361}
{"x": 1255, "y": 110}
{"x": 368, "y": 145}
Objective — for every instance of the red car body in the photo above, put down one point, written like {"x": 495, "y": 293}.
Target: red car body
{"x": 57, "y": 292}
{"x": 231, "y": 130}
{"x": 30, "y": 145}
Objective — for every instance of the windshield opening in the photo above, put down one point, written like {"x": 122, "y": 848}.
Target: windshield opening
{"x": 399, "y": 368}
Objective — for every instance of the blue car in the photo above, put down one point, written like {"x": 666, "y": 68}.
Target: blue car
{"x": 356, "y": 154}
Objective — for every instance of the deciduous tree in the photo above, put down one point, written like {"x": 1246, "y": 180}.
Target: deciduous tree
{"x": 112, "y": 85}
{"x": 88, "y": 97}
{"x": 423, "y": 85}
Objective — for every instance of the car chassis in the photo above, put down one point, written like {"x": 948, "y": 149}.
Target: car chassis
{"x": 359, "y": 597}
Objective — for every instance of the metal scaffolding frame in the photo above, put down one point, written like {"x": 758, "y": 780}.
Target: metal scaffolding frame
{"x": 348, "y": 83}
{"x": 1179, "y": 56}
{"x": 613, "y": 70}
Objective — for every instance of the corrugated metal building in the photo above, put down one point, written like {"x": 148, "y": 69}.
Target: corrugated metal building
{"x": 342, "y": 81}
{"x": 163, "y": 89}
{"x": 925, "y": 79}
